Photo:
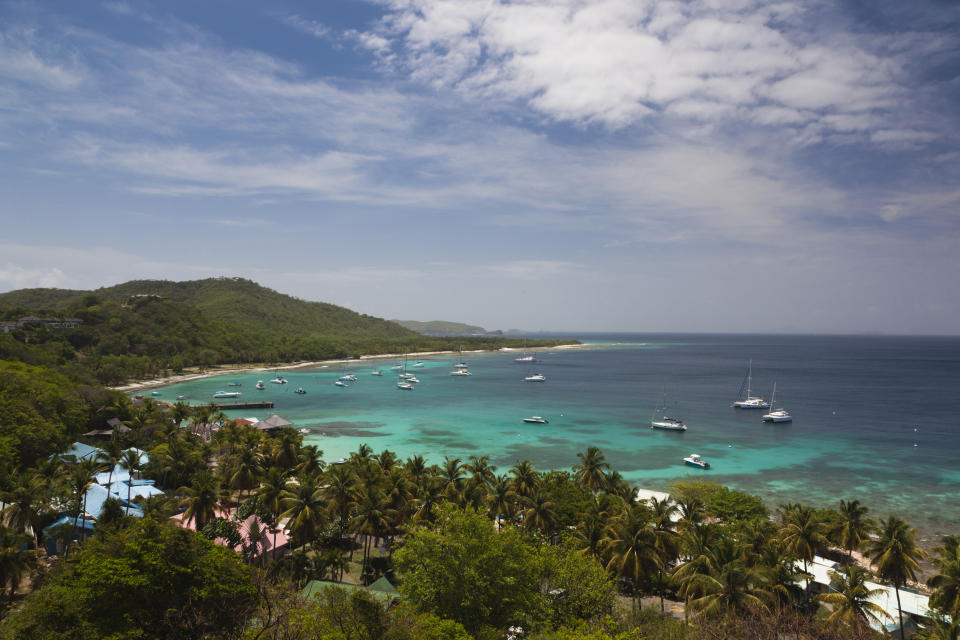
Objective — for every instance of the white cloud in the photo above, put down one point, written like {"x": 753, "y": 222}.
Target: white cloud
{"x": 14, "y": 276}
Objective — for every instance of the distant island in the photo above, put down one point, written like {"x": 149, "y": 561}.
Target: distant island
{"x": 445, "y": 328}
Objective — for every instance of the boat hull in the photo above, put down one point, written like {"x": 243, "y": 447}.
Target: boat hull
{"x": 668, "y": 426}
{"x": 701, "y": 465}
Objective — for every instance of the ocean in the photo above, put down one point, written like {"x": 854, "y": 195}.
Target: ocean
{"x": 875, "y": 418}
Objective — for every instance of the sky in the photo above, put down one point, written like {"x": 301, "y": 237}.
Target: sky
{"x": 566, "y": 165}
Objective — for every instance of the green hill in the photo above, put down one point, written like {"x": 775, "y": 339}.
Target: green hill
{"x": 441, "y": 328}
{"x": 146, "y": 328}
{"x": 236, "y": 301}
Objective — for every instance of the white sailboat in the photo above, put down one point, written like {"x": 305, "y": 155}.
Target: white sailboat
{"x": 402, "y": 383}
{"x": 460, "y": 368}
{"x": 776, "y": 415}
{"x": 665, "y": 423}
{"x": 525, "y": 358}
{"x": 750, "y": 402}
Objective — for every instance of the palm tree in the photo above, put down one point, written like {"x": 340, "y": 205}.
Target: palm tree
{"x": 200, "y": 500}
{"x": 895, "y": 555}
{"x": 452, "y": 476}
{"x": 481, "y": 476}
{"x": 270, "y": 493}
{"x": 590, "y": 471}
{"x": 942, "y": 628}
{"x": 303, "y": 503}
{"x": 696, "y": 543}
{"x": 15, "y": 560}
{"x": 946, "y": 583}
{"x": 802, "y": 534}
{"x": 854, "y": 527}
{"x": 109, "y": 456}
{"x": 631, "y": 543}
{"x": 851, "y": 599}
{"x": 372, "y": 520}
{"x": 429, "y": 497}
{"x": 501, "y": 498}
{"x": 310, "y": 463}
{"x": 387, "y": 460}
{"x": 541, "y": 513}
{"x": 82, "y": 478}
{"x": 665, "y": 538}
{"x": 416, "y": 468}
{"x": 733, "y": 588}
{"x": 244, "y": 468}
{"x": 26, "y": 503}
{"x": 341, "y": 496}
{"x": 525, "y": 478}
{"x": 130, "y": 461}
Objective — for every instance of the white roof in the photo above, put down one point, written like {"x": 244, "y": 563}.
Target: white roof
{"x": 646, "y": 494}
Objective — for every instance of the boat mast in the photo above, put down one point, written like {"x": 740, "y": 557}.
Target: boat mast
{"x": 773, "y": 398}
{"x": 749, "y": 377}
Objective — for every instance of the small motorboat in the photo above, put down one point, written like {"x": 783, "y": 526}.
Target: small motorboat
{"x": 227, "y": 394}
{"x": 535, "y": 420}
{"x": 403, "y": 385}
{"x": 260, "y": 385}
{"x": 234, "y": 384}
{"x": 341, "y": 383}
{"x": 694, "y": 460}
{"x": 349, "y": 377}
{"x": 181, "y": 397}
{"x": 154, "y": 393}
{"x": 536, "y": 377}
{"x": 396, "y": 367}
{"x": 278, "y": 380}
{"x": 304, "y": 430}
{"x": 376, "y": 373}
{"x": 413, "y": 379}
{"x": 418, "y": 364}
{"x": 300, "y": 391}
{"x": 460, "y": 372}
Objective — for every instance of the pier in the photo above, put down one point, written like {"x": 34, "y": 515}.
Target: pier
{"x": 244, "y": 405}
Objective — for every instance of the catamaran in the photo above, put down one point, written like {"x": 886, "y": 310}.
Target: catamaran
{"x": 749, "y": 402}
{"x": 776, "y": 415}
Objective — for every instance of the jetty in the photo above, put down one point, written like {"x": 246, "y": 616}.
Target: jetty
{"x": 242, "y": 405}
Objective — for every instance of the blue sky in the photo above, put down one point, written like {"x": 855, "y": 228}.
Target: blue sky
{"x": 711, "y": 165}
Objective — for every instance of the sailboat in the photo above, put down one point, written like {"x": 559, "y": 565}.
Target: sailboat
{"x": 279, "y": 379}
{"x": 776, "y": 415}
{"x": 402, "y": 383}
{"x": 666, "y": 423}
{"x": 460, "y": 369}
{"x": 749, "y": 402}
{"x": 525, "y": 358}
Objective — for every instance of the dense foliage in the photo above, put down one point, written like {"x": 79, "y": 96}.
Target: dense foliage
{"x": 149, "y": 580}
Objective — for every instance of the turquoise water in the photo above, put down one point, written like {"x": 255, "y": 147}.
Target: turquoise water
{"x": 855, "y": 400}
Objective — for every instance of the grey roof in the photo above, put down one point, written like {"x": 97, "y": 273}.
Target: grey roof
{"x": 273, "y": 422}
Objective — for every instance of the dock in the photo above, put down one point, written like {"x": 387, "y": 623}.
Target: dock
{"x": 244, "y": 405}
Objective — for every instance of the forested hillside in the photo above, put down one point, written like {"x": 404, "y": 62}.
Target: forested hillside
{"x": 151, "y": 327}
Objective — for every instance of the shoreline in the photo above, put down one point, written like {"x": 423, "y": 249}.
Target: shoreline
{"x": 153, "y": 383}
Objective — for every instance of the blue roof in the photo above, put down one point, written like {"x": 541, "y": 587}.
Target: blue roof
{"x": 82, "y": 523}
{"x": 97, "y": 495}
{"x": 81, "y": 451}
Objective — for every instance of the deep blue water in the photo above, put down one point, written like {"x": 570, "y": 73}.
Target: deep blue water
{"x": 856, "y": 402}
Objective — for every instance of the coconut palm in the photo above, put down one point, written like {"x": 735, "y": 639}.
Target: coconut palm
{"x": 696, "y": 545}
{"x": 416, "y": 468}
{"x": 372, "y": 519}
{"x": 429, "y": 497}
{"x": 309, "y": 460}
{"x": 631, "y": 543}
{"x": 540, "y": 513}
{"x": 270, "y": 493}
{"x": 851, "y": 599}
{"x": 130, "y": 461}
{"x": 481, "y": 473}
{"x": 590, "y": 470}
{"x": 304, "y": 508}
{"x": 26, "y": 503}
{"x": 387, "y": 460}
{"x": 200, "y": 500}
{"x": 854, "y": 527}
{"x": 109, "y": 456}
{"x": 895, "y": 555}
{"x": 81, "y": 478}
{"x": 732, "y": 588}
{"x": 340, "y": 495}
{"x": 244, "y": 469}
{"x": 15, "y": 559}
{"x": 943, "y": 628}
{"x": 452, "y": 476}
{"x": 803, "y": 534}
{"x": 501, "y": 499}
{"x": 525, "y": 478}
{"x": 946, "y": 582}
